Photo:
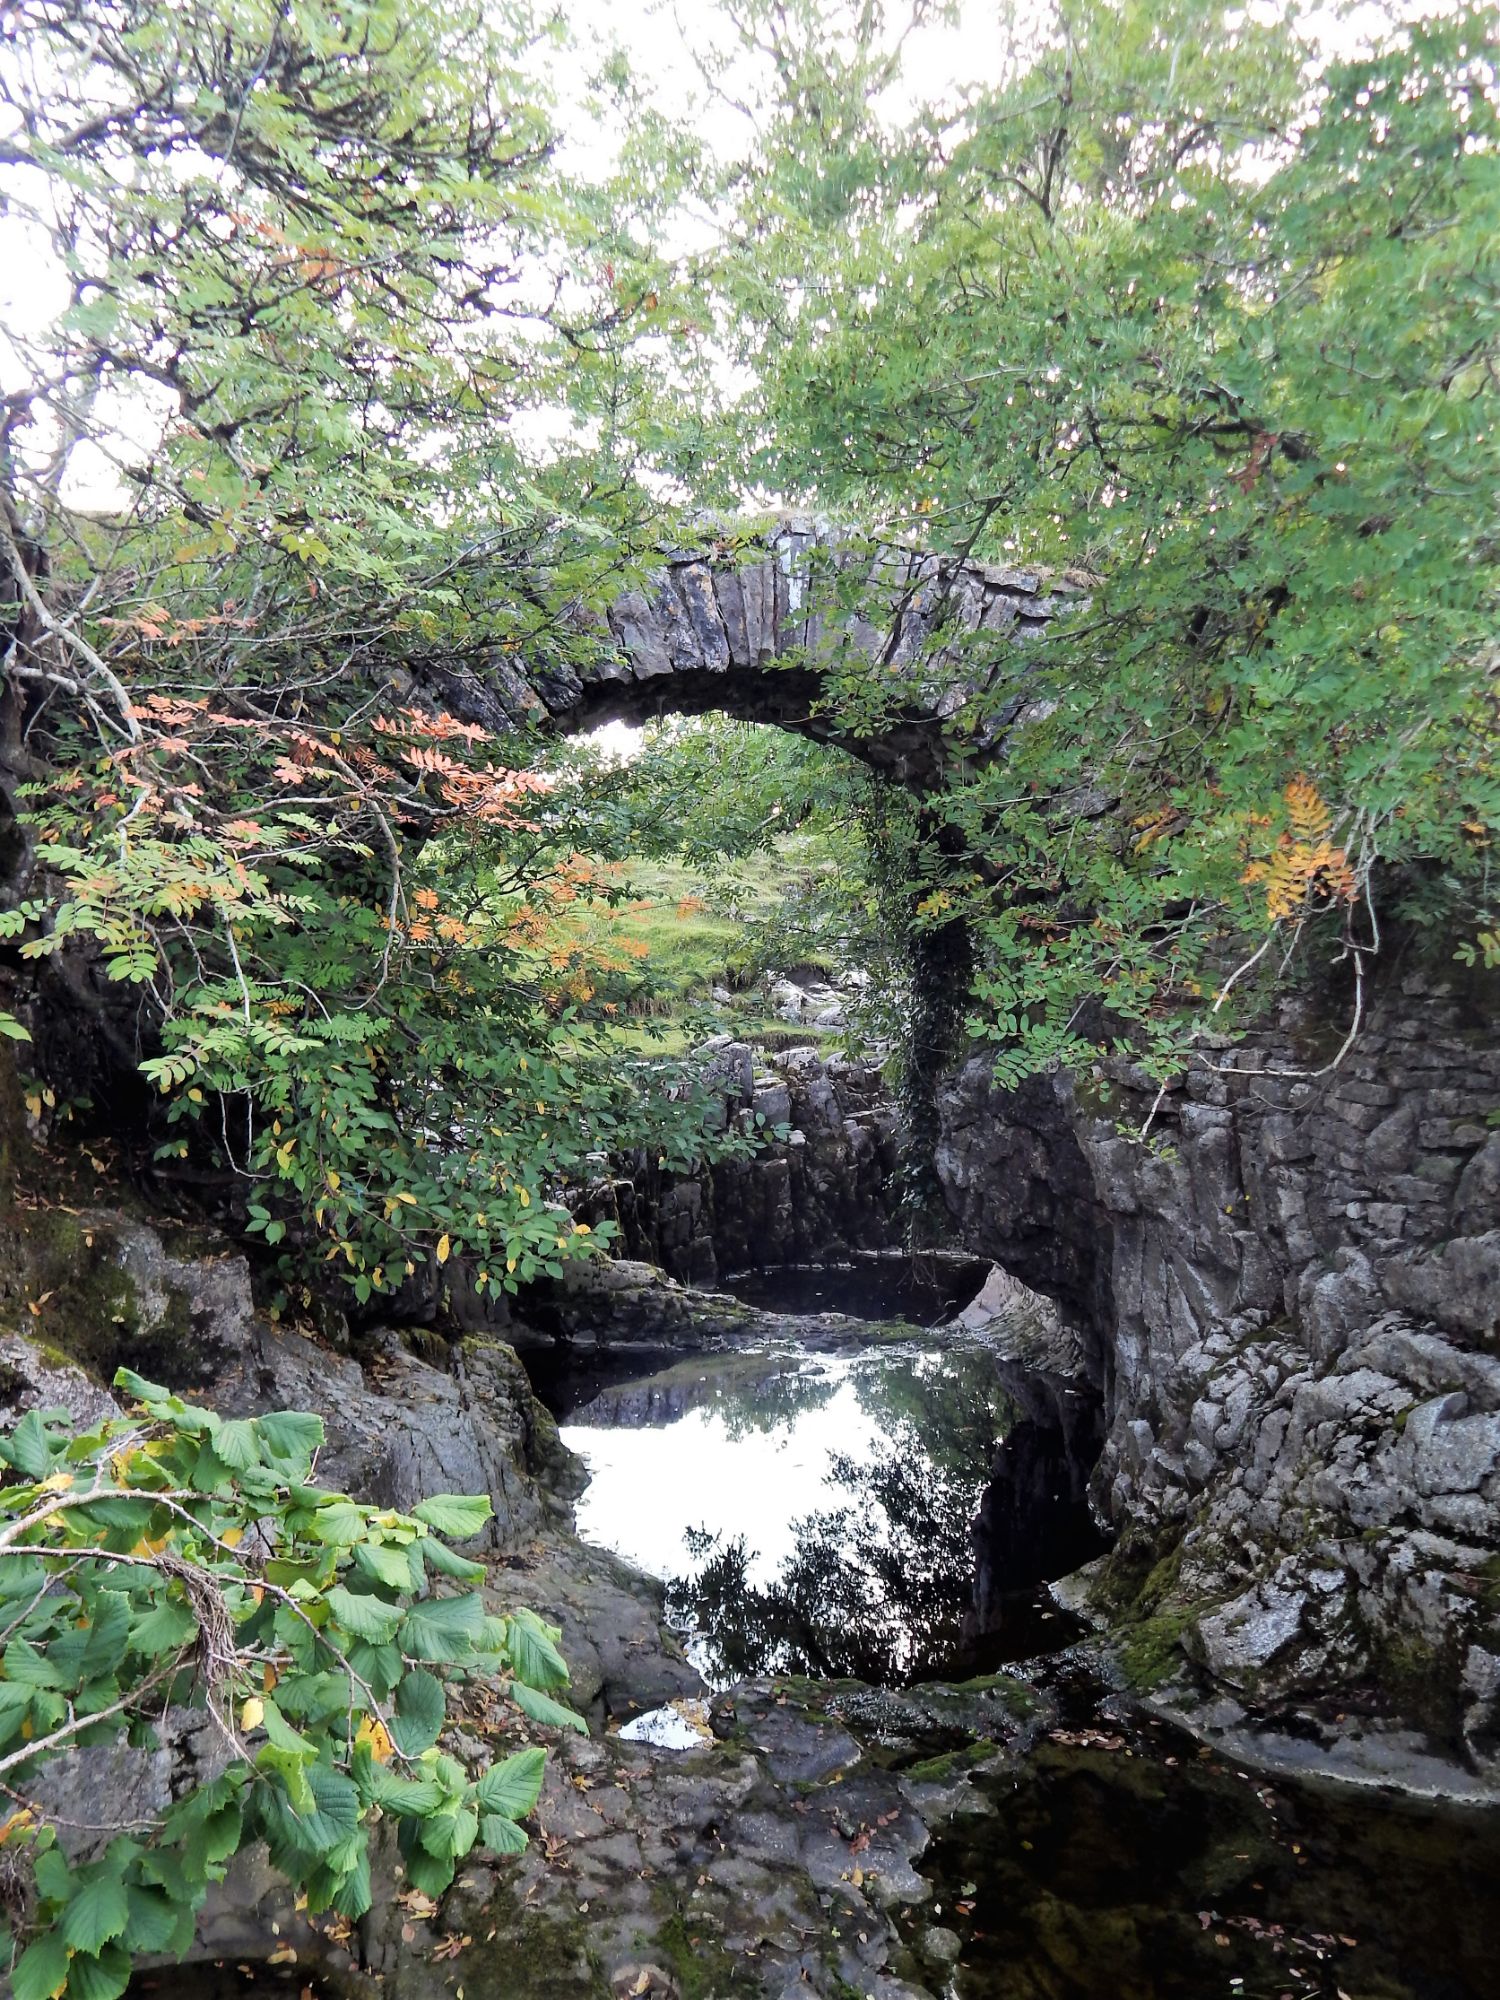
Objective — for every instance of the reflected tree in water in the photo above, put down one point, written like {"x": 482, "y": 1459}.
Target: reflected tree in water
{"x": 879, "y": 1583}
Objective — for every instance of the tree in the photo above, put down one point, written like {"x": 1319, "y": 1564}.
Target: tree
{"x": 268, "y": 502}
{"x": 169, "y": 1565}
{"x": 1202, "y": 307}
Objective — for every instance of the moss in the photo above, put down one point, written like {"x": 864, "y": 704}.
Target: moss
{"x": 698, "y": 1962}
{"x": 1020, "y": 1697}
{"x": 1152, "y": 1651}
{"x": 1139, "y": 1589}
{"x": 952, "y": 1763}
{"x": 1097, "y": 1097}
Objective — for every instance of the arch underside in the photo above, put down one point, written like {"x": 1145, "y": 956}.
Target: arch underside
{"x": 912, "y": 637}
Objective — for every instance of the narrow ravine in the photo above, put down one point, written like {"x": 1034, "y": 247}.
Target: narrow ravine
{"x": 824, "y": 1514}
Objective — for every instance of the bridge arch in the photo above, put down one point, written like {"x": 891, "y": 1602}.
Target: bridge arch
{"x": 755, "y": 634}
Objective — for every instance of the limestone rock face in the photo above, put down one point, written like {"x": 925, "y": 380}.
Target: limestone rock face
{"x": 824, "y": 1190}
{"x": 1291, "y": 1311}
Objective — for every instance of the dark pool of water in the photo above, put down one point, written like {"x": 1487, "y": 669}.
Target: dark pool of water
{"x": 920, "y": 1290}
{"x": 810, "y": 1512}
{"x": 1123, "y": 1861}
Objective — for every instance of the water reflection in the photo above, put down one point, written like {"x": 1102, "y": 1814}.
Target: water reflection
{"x": 811, "y": 1514}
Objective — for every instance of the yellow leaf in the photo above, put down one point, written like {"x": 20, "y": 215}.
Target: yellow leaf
{"x": 378, "y": 1737}
{"x": 253, "y": 1713}
{"x": 445, "y": 1246}
{"x": 57, "y": 1482}
{"x": 232, "y": 1537}
{"x": 525, "y": 1194}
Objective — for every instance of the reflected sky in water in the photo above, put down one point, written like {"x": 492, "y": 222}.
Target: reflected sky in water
{"x": 712, "y": 1470}
{"x": 809, "y": 1513}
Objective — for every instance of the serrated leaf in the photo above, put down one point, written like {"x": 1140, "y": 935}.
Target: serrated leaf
{"x": 457, "y": 1515}
{"x": 292, "y": 1435}
{"x": 365, "y": 1617}
{"x": 97, "y": 1912}
{"x": 163, "y": 1628}
{"x": 513, "y": 1787}
{"x": 442, "y": 1628}
{"x": 101, "y": 1976}
{"x": 385, "y": 1565}
{"x": 341, "y": 1525}
{"x": 421, "y": 1710}
{"x": 542, "y": 1708}
{"x": 27, "y": 1448}
{"x": 41, "y": 1972}
{"x": 533, "y": 1653}
{"x": 502, "y": 1836}
{"x": 154, "y": 1919}
{"x": 448, "y": 1562}
{"x": 236, "y": 1443}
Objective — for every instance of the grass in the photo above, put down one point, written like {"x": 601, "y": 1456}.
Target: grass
{"x": 672, "y": 1035}
{"x": 699, "y": 931}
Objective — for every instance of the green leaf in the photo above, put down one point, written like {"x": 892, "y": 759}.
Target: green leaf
{"x": 428, "y": 1872}
{"x": 365, "y": 1617}
{"x": 407, "y": 1798}
{"x": 385, "y": 1565}
{"x": 291, "y": 1767}
{"x": 533, "y": 1653}
{"x": 448, "y": 1562}
{"x": 139, "y": 1389}
{"x": 442, "y": 1628}
{"x": 512, "y": 1788}
{"x": 502, "y": 1836}
{"x": 15, "y": 1707}
{"x": 30, "y": 1668}
{"x": 99, "y": 1976}
{"x": 27, "y": 1448}
{"x": 109, "y": 1632}
{"x": 542, "y": 1708}
{"x": 450, "y": 1834}
{"x": 154, "y": 1919}
{"x": 99, "y": 1910}
{"x": 353, "y": 1895}
{"x": 42, "y": 1969}
{"x": 459, "y": 1516}
{"x": 165, "y": 1627}
{"x": 291, "y": 1435}
{"x": 236, "y": 1443}
{"x": 421, "y": 1710}
{"x": 341, "y": 1524}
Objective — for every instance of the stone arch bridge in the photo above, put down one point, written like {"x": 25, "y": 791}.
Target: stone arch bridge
{"x": 915, "y": 639}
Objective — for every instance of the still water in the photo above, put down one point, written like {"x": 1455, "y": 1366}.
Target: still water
{"x": 810, "y": 1513}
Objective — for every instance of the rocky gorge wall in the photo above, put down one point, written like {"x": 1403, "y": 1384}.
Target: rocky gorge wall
{"x": 822, "y": 1186}
{"x": 1290, "y": 1302}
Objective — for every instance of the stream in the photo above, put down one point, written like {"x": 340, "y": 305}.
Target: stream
{"x": 811, "y": 1511}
